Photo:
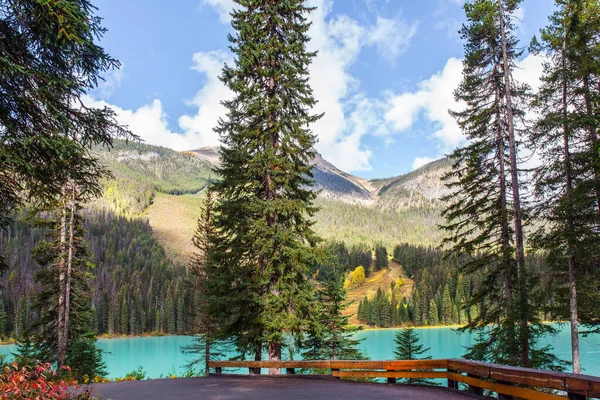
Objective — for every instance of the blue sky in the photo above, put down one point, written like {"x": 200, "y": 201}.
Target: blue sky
{"x": 384, "y": 75}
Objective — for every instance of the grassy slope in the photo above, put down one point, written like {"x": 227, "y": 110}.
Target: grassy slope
{"x": 381, "y": 279}
{"x": 173, "y": 221}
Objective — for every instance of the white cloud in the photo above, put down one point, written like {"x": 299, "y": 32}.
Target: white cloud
{"x": 110, "y": 83}
{"x": 529, "y": 71}
{"x": 392, "y": 36}
{"x": 149, "y": 122}
{"x": 420, "y": 161}
{"x": 433, "y": 99}
{"x": 338, "y": 41}
{"x": 207, "y": 100}
{"x": 222, "y": 7}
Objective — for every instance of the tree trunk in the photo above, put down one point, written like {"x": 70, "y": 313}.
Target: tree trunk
{"x": 274, "y": 355}
{"x": 69, "y": 269}
{"x": 570, "y": 214}
{"x": 257, "y": 357}
{"x": 61, "y": 337}
{"x": 507, "y": 258}
{"x": 517, "y": 214}
{"x": 206, "y": 355}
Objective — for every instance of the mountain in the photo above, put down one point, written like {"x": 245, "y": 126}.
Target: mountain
{"x": 166, "y": 187}
{"x": 331, "y": 181}
{"x": 421, "y": 187}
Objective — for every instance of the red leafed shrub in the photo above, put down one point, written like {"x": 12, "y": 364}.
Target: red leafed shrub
{"x": 37, "y": 383}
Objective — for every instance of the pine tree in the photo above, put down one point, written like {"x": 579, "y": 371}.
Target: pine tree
{"x": 409, "y": 348}
{"x": 460, "y": 300}
{"x": 26, "y": 354}
{"x": 51, "y": 56}
{"x": 484, "y": 219}
{"x": 3, "y": 319}
{"x": 123, "y": 310}
{"x": 200, "y": 266}
{"x": 417, "y": 300}
{"x": 433, "y": 318}
{"x": 329, "y": 334}
{"x": 393, "y": 309}
{"x": 446, "y": 307}
{"x": 381, "y": 258}
{"x": 265, "y": 202}
{"x": 566, "y": 183}
{"x": 64, "y": 301}
{"x": 170, "y": 313}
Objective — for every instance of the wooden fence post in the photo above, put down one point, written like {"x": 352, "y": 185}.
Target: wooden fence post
{"x": 474, "y": 389}
{"x": 452, "y": 384}
{"x": 505, "y": 396}
{"x": 218, "y": 370}
{"x": 290, "y": 371}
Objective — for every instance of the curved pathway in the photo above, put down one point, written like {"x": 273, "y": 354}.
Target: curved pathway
{"x": 269, "y": 388}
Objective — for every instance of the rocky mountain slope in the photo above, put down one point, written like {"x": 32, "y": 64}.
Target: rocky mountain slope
{"x": 420, "y": 187}
{"x": 166, "y": 187}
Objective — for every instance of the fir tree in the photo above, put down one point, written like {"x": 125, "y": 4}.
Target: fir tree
{"x": 65, "y": 286}
{"x": 329, "y": 334}
{"x": 27, "y": 354}
{"x": 200, "y": 266}
{"x": 446, "y": 307}
{"x": 381, "y": 258}
{"x": 50, "y": 55}
{"x": 566, "y": 183}
{"x": 264, "y": 214}
{"x": 3, "y": 319}
{"x": 433, "y": 319}
{"x": 484, "y": 219}
{"x": 409, "y": 348}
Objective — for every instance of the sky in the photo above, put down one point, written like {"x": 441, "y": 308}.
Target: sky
{"x": 384, "y": 75}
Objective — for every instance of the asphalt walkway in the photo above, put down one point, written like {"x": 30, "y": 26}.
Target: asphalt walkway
{"x": 268, "y": 388}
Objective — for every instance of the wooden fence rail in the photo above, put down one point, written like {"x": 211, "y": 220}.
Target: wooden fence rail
{"x": 507, "y": 382}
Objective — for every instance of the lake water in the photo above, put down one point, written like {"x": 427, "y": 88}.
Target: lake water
{"x": 160, "y": 356}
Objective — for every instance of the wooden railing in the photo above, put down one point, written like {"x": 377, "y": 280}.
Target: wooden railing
{"x": 508, "y": 382}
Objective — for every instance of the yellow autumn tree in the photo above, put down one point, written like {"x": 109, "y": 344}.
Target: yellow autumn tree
{"x": 355, "y": 278}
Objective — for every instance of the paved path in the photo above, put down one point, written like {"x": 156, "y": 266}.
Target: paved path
{"x": 268, "y": 388}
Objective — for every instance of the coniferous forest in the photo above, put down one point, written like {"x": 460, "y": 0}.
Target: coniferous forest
{"x": 103, "y": 234}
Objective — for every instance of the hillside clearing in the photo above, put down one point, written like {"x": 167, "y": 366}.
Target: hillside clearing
{"x": 380, "y": 279}
{"x": 173, "y": 220}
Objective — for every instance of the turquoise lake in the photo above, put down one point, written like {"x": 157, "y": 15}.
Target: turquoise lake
{"x": 162, "y": 355}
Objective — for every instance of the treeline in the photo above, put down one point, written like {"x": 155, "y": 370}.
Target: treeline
{"x": 358, "y": 224}
{"x": 441, "y": 294}
{"x": 135, "y": 288}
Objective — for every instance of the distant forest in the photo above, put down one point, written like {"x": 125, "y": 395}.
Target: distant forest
{"x": 136, "y": 289}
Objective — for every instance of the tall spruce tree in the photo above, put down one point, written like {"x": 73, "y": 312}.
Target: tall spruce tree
{"x": 565, "y": 183}
{"x": 264, "y": 213}
{"x": 201, "y": 269}
{"x": 484, "y": 220}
